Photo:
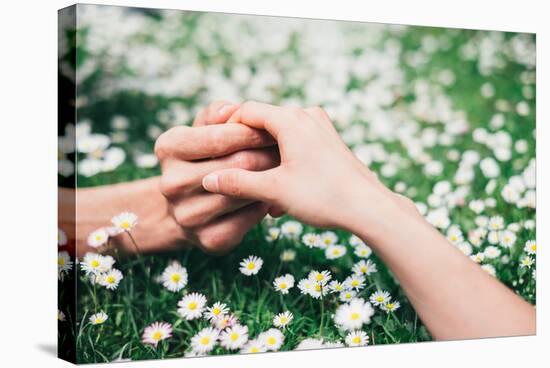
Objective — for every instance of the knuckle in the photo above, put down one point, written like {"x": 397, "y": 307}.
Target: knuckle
{"x": 161, "y": 148}
{"x": 187, "y": 218}
{"x": 167, "y": 185}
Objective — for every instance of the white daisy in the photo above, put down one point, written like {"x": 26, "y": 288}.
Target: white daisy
{"x": 288, "y": 255}
{"x": 335, "y": 251}
{"x": 328, "y": 238}
{"x": 191, "y": 306}
{"x": 273, "y": 234}
{"x": 292, "y": 229}
{"x": 526, "y": 262}
{"x": 283, "y": 319}
{"x": 492, "y": 252}
{"x": 61, "y": 238}
{"x": 347, "y": 295}
{"x": 493, "y": 237}
{"x": 205, "y": 340}
{"x": 364, "y": 268}
{"x": 174, "y": 277}
{"x": 336, "y": 286}
{"x": 251, "y": 265}
{"x": 311, "y": 240}
{"x": 355, "y": 282}
{"x": 354, "y": 241}
{"x": 321, "y": 277}
{"x": 310, "y": 344}
{"x": 362, "y": 251}
{"x": 352, "y": 315}
{"x": 253, "y": 346}
{"x": 357, "y": 338}
{"x": 125, "y": 221}
{"x": 390, "y": 306}
{"x": 223, "y": 321}
{"x": 507, "y": 239}
{"x": 94, "y": 263}
{"x": 490, "y": 269}
{"x": 111, "y": 279}
{"x": 530, "y": 247}
{"x": 98, "y": 238}
{"x": 215, "y": 311}
{"x": 64, "y": 264}
{"x": 156, "y": 332}
{"x": 234, "y": 337}
{"x": 478, "y": 257}
{"x": 284, "y": 283}
{"x": 380, "y": 297}
{"x": 98, "y": 318}
{"x": 496, "y": 223}
{"x": 333, "y": 344}
{"x": 272, "y": 339}
{"x": 454, "y": 235}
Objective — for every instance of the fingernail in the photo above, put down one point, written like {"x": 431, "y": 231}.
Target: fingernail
{"x": 210, "y": 182}
{"x": 225, "y": 108}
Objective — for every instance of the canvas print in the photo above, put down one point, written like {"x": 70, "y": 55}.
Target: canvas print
{"x": 239, "y": 184}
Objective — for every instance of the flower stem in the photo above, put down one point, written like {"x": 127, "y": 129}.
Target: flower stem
{"x": 322, "y": 313}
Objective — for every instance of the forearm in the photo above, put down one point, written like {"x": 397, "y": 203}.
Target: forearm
{"x": 452, "y": 295}
{"x": 96, "y": 206}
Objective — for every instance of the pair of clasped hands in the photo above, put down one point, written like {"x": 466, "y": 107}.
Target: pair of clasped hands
{"x": 241, "y": 161}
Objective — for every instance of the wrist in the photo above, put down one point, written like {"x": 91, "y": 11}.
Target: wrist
{"x": 156, "y": 228}
{"x": 373, "y": 213}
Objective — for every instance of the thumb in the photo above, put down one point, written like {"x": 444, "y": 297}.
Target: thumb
{"x": 256, "y": 185}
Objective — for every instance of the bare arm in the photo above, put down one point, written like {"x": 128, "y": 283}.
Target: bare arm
{"x": 453, "y": 296}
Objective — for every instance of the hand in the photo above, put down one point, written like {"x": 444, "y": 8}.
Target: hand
{"x": 319, "y": 180}
{"x": 212, "y": 221}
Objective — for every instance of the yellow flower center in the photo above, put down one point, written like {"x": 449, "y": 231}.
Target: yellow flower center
{"x": 254, "y": 349}
{"x": 98, "y": 237}
{"x": 192, "y": 305}
{"x": 250, "y": 266}
{"x": 111, "y": 279}
{"x": 234, "y": 336}
{"x": 336, "y": 252}
{"x": 356, "y": 340}
{"x": 157, "y": 336}
{"x": 533, "y": 247}
{"x": 327, "y": 241}
{"x": 363, "y": 269}
{"x": 355, "y": 283}
{"x": 61, "y": 261}
{"x": 176, "y": 277}
{"x": 319, "y": 277}
{"x": 354, "y": 316}
{"x": 282, "y": 285}
{"x": 94, "y": 263}
{"x": 271, "y": 340}
{"x": 379, "y": 299}
{"x": 205, "y": 340}
{"x": 98, "y": 321}
{"x": 125, "y": 225}
{"x": 389, "y": 306}
{"x": 317, "y": 287}
{"x": 283, "y": 320}
{"x": 216, "y": 311}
